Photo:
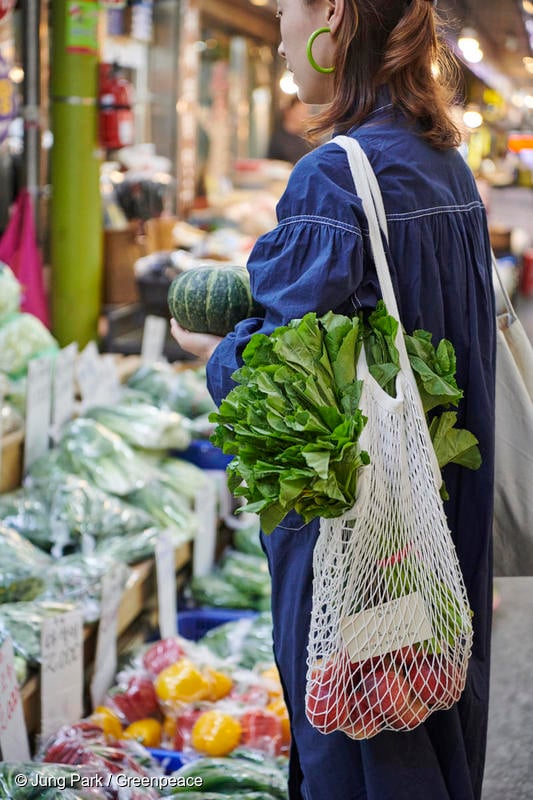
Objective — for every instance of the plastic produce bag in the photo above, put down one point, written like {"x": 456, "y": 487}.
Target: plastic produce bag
{"x": 184, "y": 477}
{"x": 184, "y": 392}
{"x": 21, "y": 667}
{"x": 10, "y": 419}
{"x": 78, "y": 579}
{"x": 10, "y": 291}
{"x": 22, "y": 567}
{"x": 144, "y": 425}
{"x": 134, "y": 547}
{"x": 246, "y": 642}
{"x": 89, "y": 449}
{"x": 248, "y": 573}
{"x": 23, "y": 337}
{"x": 22, "y": 622}
{"x": 166, "y": 505}
{"x": 27, "y": 514}
{"x": 79, "y": 512}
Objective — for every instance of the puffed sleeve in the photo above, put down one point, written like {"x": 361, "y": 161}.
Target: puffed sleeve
{"x": 311, "y": 261}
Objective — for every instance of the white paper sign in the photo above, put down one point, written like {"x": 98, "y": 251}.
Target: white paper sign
{"x": 38, "y": 410}
{"x": 63, "y": 388}
{"x": 13, "y": 734}
{"x": 205, "y": 509}
{"x": 165, "y": 559}
{"x": 105, "y": 663}
{"x": 387, "y": 627}
{"x": 61, "y": 670}
{"x": 154, "y": 337}
{"x": 97, "y": 377}
{"x": 87, "y": 373}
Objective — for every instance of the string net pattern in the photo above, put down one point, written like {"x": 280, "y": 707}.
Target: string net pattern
{"x": 391, "y": 631}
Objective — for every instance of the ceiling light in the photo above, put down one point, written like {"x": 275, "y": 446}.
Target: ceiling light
{"x": 259, "y": 2}
{"x": 527, "y": 5}
{"x": 472, "y": 119}
{"x": 473, "y": 56}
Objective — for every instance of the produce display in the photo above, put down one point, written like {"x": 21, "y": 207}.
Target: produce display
{"x": 211, "y": 299}
{"x": 184, "y": 392}
{"x": 23, "y": 572}
{"x": 10, "y": 291}
{"x": 144, "y": 425}
{"x": 23, "y": 337}
{"x": 22, "y": 622}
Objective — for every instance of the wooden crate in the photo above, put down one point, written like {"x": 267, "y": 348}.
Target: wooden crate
{"x": 11, "y": 461}
{"x": 121, "y": 251}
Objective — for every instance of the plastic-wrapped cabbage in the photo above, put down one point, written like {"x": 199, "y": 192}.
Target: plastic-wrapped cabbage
{"x": 185, "y": 392}
{"x": 23, "y": 337}
{"x": 29, "y": 515}
{"x": 80, "y": 512}
{"x": 9, "y": 291}
{"x": 135, "y": 547}
{"x": 184, "y": 477}
{"x": 144, "y": 425}
{"x": 78, "y": 579}
{"x": 22, "y": 567}
{"x": 166, "y": 505}
{"x": 247, "y": 642}
{"x": 22, "y": 622}
{"x": 89, "y": 449}
{"x": 10, "y": 419}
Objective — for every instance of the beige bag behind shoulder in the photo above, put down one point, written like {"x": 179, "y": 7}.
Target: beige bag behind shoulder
{"x": 513, "y": 480}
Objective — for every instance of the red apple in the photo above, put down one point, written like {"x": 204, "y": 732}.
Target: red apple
{"x": 412, "y": 714}
{"x": 386, "y": 690}
{"x": 433, "y": 679}
{"x": 365, "y": 725}
{"x": 327, "y": 703}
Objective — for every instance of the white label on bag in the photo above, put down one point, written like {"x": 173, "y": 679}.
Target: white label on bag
{"x": 13, "y": 734}
{"x": 61, "y": 670}
{"x": 38, "y": 410}
{"x": 165, "y": 559}
{"x": 153, "y": 341}
{"x": 63, "y": 394}
{"x": 387, "y": 627}
{"x": 105, "y": 662}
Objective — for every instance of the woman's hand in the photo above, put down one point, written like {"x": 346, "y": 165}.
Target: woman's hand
{"x": 199, "y": 344}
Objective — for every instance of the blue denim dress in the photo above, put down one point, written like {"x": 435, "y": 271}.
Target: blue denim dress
{"x": 316, "y": 259}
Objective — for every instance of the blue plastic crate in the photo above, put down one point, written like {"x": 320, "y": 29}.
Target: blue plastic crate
{"x": 203, "y": 454}
{"x": 170, "y": 760}
{"x": 194, "y": 623}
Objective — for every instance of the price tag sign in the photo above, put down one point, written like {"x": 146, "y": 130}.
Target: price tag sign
{"x": 205, "y": 508}
{"x": 13, "y": 734}
{"x": 87, "y": 373}
{"x": 153, "y": 341}
{"x": 109, "y": 381}
{"x": 61, "y": 670}
{"x": 165, "y": 559}
{"x": 105, "y": 664}
{"x": 63, "y": 388}
{"x": 38, "y": 410}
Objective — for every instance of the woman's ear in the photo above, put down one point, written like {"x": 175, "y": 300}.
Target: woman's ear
{"x": 335, "y": 13}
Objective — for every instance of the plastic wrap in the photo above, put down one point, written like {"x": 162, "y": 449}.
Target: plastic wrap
{"x": 22, "y": 622}
{"x": 23, "y": 337}
{"x": 144, "y": 425}
{"x": 246, "y": 642}
{"x": 29, "y": 515}
{"x": 134, "y": 547}
{"x": 78, "y": 579}
{"x": 184, "y": 477}
{"x": 89, "y": 449}
{"x": 166, "y": 505}
{"x": 10, "y": 291}
{"x": 184, "y": 392}
{"x": 22, "y": 567}
{"x": 10, "y": 419}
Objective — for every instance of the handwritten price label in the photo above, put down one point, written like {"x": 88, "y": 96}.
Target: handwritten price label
{"x": 106, "y": 644}
{"x": 61, "y": 670}
{"x": 13, "y": 735}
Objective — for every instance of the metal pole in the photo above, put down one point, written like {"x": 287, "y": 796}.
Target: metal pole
{"x": 76, "y": 216}
{"x": 31, "y": 95}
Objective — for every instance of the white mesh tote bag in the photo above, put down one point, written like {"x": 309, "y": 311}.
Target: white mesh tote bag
{"x": 391, "y": 630}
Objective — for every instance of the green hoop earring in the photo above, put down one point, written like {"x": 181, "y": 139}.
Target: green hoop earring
{"x": 309, "y": 51}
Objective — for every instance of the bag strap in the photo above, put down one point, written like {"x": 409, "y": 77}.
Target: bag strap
{"x": 367, "y": 188}
{"x": 505, "y": 294}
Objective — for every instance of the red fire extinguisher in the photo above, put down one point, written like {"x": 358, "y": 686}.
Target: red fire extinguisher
{"x": 116, "y": 108}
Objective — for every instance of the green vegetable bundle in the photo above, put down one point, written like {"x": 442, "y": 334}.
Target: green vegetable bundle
{"x": 22, "y": 567}
{"x": 293, "y": 423}
{"x": 143, "y": 425}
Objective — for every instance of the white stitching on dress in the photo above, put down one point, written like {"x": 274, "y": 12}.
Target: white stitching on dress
{"x": 424, "y": 212}
{"x": 333, "y": 223}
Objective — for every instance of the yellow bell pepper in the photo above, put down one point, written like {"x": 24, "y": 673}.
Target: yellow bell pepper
{"x": 271, "y": 675}
{"x": 220, "y": 684}
{"x": 107, "y": 720}
{"x": 182, "y": 682}
{"x": 215, "y": 733}
{"x": 279, "y": 708}
{"x": 146, "y": 731}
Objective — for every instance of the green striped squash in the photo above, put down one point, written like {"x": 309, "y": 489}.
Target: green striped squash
{"x": 210, "y": 299}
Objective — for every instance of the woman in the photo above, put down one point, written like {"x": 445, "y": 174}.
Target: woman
{"x": 374, "y": 63}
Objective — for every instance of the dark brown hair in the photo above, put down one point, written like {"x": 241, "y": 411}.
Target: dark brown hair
{"x": 397, "y": 44}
